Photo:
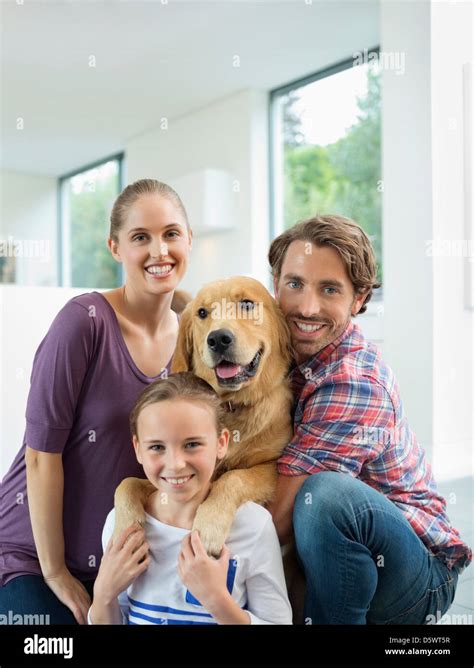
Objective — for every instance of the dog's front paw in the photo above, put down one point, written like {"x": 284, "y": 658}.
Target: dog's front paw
{"x": 130, "y": 497}
{"x": 125, "y": 517}
{"x": 213, "y": 529}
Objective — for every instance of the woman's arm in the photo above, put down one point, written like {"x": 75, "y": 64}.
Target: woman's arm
{"x": 45, "y": 485}
{"x": 60, "y": 365}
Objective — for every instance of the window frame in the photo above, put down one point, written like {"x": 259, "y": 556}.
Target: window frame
{"x": 61, "y": 232}
{"x": 274, "y": 94}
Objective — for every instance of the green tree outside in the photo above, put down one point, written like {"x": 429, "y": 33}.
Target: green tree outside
{"x": 92, "y": 265}
{"x": 343, "y": 177}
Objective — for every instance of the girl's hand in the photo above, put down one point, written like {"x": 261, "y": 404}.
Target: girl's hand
{"x": 123, "y": 561}
{"x": 204, "y": 576}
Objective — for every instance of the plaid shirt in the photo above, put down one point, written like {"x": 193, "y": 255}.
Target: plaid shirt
{"x": 348, "y": 417}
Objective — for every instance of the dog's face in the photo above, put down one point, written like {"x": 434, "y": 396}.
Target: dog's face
{"x": 234, "y": 336}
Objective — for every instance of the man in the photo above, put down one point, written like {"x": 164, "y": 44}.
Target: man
{"x": 370, "y": 529}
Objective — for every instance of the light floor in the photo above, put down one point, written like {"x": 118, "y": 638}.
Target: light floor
{"x": 459, "y": 497}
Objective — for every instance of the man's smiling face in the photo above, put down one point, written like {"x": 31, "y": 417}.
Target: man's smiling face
{"x": 316, "y": 296}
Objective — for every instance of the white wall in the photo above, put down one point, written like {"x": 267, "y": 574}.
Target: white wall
{"x": 231, "y": 135}
{"x": 26, "y": 314}
{"x": 28, "y": 212}
{"x": 407, "y": 210}
{"x": 453, "y": 341}
{"x": 428, "y": 334}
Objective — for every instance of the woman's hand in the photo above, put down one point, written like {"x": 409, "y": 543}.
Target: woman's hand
{"x": 71, "y": 592}
{"x": 123, "y": 561}
{"x": 204, "y": 576}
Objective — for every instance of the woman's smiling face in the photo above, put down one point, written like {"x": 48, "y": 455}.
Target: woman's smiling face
{"x": 153, "y": 244}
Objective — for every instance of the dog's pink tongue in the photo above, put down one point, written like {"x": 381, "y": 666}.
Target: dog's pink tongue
{"x": 226, "y": 370}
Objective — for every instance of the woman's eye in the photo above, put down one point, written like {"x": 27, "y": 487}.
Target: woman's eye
{"x": 247, "y": 304}
{"x": 138, "y": 237}
{"x": 156, "y": 447}
{"x": 202, "y": 313}
{"x": 192, "y": 444}
{"x": 174, "y": 233}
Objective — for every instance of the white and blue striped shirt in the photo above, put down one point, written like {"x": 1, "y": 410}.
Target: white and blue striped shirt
{"x": 255, "y": 578}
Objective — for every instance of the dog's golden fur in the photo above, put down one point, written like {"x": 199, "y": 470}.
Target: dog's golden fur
{"x": 258, "y": 409}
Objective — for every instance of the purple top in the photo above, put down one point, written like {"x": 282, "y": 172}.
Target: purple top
{"x": 84, "y": 384}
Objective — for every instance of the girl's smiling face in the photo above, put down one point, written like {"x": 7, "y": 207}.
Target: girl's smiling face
{"x": 178, "y": 446}
{"x": 153, "y": 244}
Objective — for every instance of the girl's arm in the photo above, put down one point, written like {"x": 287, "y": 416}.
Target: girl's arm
{"x": 105, "y": 610}
{"x": 206, "y": 579}
{"x": 226, "y": 610}
{"x": 266, "y": 587}
{"x": 123, "y": 561}
{"x": 45, "y": 483}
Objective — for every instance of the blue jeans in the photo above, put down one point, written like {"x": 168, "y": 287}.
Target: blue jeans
{"x": 363, "y": 562}
{"x": 29, "y": 595}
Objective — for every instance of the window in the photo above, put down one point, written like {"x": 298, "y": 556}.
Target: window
{"x": 86, "y": 199}
{"x": 326, "y": 158}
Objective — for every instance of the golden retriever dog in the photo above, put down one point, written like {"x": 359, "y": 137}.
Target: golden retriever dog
{"x": 234, "y": 336}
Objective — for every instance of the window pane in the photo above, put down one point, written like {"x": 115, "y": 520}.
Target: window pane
{"x": 87, "y": 200}
{"x": 329, "y": 147}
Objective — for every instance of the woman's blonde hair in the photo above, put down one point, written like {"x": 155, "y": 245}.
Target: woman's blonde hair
{"x": 340, "y": 233}
{"x": 134, "y": 191}
{"x": 183, "y": 385}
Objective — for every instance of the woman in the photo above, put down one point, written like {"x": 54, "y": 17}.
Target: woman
{"x": 97, "y": 357}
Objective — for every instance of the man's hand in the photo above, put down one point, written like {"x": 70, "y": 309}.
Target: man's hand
{"x": 282, "y": 505}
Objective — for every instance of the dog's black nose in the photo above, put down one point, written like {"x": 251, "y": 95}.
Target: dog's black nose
{"x": 219, "y": 340}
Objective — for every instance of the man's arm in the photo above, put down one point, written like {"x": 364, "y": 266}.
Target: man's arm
{"x": 328, "y": 438}
{"x": 282, "y": 504}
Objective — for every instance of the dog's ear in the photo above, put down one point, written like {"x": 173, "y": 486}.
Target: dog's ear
{"x": 182, "y": 358}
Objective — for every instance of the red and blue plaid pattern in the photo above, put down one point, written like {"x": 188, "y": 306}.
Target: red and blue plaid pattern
{"x": 348, "y": 417}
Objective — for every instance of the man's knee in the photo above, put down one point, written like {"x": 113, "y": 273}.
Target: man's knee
{"x": 325, "y": 490}
{"x": 325, "y": 499}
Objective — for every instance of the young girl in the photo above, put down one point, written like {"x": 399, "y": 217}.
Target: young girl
{"x": 99, "y": 354}
{"x": 178, "y": 436}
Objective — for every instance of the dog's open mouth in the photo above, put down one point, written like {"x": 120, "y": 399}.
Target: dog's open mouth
{"x": 229, "y": 373}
